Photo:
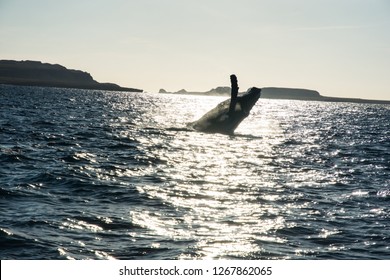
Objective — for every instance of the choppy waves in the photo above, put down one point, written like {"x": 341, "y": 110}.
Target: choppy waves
{"x": 106, "y": 175}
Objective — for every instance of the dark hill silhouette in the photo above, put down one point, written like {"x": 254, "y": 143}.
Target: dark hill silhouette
{"x": 286, "y": 93}
{"x": 36, "y": 73}
{"x": 310, "y": 95}
{"x": 291, "y": 93}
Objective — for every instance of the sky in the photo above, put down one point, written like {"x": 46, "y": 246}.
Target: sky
{"x": 338, "y": 47}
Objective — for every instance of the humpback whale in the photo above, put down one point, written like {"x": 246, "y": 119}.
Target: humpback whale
{"x": 227, "y": 115}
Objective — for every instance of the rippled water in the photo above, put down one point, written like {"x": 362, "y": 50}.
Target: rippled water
{"x": 101, "y": 175}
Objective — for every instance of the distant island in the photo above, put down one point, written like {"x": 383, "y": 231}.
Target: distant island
{"x": 36, "y": 73}
{"x": 284, "y": 93}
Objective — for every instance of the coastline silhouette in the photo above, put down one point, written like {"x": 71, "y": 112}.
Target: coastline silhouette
{"x": 36, "y": 73}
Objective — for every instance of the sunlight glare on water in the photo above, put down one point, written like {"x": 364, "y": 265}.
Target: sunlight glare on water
{"x": 216, "y": 190}
{"x": 106, "y": 175}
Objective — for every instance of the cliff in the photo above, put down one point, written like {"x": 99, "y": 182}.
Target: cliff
{"x": 35, "y": 73}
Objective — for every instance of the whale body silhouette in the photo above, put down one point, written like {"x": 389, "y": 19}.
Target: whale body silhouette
{"x": 223, "y": 118}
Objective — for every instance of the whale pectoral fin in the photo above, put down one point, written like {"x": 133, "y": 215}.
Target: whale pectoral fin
{"x": 227, "y": 115}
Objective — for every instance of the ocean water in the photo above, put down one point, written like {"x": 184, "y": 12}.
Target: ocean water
{"x": 111, "y": 175}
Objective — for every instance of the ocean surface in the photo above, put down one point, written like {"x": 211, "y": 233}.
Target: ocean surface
{"x": 112, "y": 175}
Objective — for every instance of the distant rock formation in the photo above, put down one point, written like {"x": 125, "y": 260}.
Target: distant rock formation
{"x": 310, "y": 95}
{"x": 182, "y": 91}
{"x": 267, "y": 92}
{"x": 289, "y": 93}
{"x": 220, "y": 91}
{"x": 36, "y": 73}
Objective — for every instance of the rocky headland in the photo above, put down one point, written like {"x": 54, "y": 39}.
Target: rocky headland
{"x": 36, "y": 73}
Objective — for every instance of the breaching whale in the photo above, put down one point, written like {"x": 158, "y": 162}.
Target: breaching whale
{"x": 227, "y": 115}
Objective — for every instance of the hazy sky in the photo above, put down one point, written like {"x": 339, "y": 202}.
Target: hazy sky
{"x": 338, "y": 47}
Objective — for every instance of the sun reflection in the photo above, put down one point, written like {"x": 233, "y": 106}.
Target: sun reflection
{"x": 80, "y": 225}
{"x": 103, "y": 255}
{"x": 223, "y": 225}
{"x": 158, "y": 225}
{"x": 326, "y": 233}
{"x": 226, "y": 204}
